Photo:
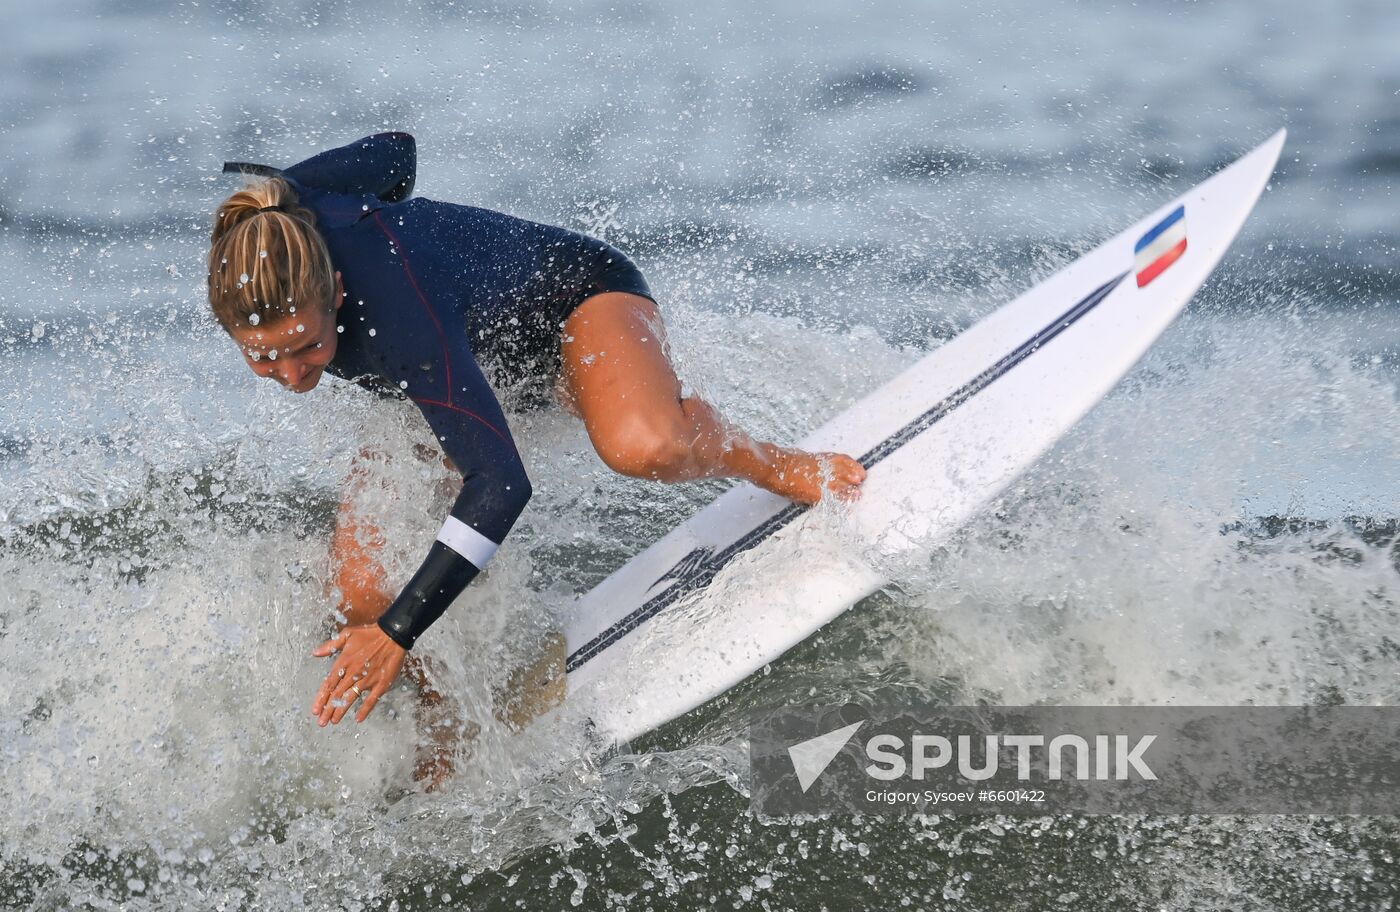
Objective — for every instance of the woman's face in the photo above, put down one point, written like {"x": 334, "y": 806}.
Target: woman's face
{"x": 294, "y": 350}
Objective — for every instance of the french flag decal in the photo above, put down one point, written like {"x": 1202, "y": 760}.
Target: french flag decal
{"x": 1160, "y": 247}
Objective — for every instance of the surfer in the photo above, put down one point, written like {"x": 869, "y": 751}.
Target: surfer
{"x": 330, "y": 266}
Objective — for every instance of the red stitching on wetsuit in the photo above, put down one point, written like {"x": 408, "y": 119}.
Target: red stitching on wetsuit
{"x": 458, "y": 408}
{"x": 413, "y": 280}
{"x": 446, "y": 358}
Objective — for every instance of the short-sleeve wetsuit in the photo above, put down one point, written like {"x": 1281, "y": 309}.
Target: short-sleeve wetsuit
{"x": 428, "y": 285}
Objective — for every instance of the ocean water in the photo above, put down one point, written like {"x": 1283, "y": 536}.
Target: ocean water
{"x": 819, "y": 194}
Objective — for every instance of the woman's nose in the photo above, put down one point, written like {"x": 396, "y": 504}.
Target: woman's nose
{"x": 292, "y": 373}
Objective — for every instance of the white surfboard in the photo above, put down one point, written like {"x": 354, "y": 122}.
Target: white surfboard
{"x": 697, "y": 612}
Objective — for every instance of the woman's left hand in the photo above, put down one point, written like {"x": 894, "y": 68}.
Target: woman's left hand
{"x": 368, "y": 665}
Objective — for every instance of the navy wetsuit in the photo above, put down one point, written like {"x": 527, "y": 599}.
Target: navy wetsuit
{"x": 428, "y": 285}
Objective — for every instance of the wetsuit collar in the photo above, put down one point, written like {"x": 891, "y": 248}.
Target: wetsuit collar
{"x": 333, "y": 210}
{"x": 336, "y": 210}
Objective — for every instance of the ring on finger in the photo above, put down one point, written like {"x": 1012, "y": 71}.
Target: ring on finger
{"x": 357, "y": 690}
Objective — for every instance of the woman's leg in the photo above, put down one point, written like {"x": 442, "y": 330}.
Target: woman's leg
{"x": 617, "y": 375}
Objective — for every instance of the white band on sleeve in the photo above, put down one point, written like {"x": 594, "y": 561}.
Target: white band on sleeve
{"x": 467, "y": 542}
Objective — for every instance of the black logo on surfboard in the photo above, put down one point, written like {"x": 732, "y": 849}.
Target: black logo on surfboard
{"x": 687, "y": 568}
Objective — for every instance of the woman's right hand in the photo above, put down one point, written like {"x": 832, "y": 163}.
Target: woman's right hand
{"x": 368, "y": 664}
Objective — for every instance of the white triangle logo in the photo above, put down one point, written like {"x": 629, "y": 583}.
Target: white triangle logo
{"x": 810, "y": 758}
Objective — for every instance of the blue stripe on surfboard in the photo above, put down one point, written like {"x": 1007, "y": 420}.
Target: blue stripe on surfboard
{"x": 698, "y": 573}
{"x": 1161, "y": 226}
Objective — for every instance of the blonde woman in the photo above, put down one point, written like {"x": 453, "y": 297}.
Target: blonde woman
{"x": 329, "y": 266}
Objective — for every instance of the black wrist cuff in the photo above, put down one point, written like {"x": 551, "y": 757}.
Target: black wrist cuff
{"x": 441, "y": 579}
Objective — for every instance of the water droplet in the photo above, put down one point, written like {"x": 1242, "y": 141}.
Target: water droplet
{"x": 301, "y": 327}
{"x": 371, "y": 332}
{"x": 272, "y": 355}
{"x": 243, "y": 278}
{"x": 254, "y": 319}
{"x": 262, "y": 254}
{"x": 340, "y": 329}
{"x": 256, "y": 356}
{"x": 403, "y": 384}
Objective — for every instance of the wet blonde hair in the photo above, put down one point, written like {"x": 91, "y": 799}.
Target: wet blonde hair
{"x": 266, "y": 263}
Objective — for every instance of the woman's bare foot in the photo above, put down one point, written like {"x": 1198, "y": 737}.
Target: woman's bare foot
{"x": 802, "y": 476}
{"x": 444, "y": 737}
{"x": 443, "y": 740}
{"x": 433, "y": 763}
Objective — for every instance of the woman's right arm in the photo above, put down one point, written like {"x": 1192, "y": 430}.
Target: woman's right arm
{"x": 438, "y": 372}
{"x": 495, "y": 490}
